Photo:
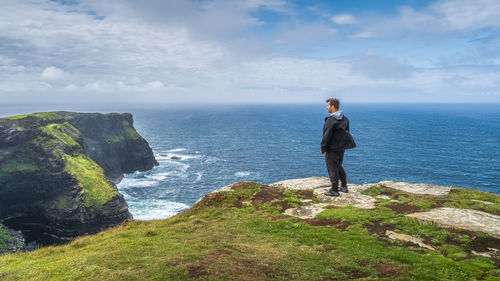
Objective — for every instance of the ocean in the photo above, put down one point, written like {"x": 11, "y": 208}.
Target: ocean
{"x": 204, "y": 147}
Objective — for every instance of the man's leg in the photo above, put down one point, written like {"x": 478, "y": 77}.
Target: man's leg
{"x": 342, "y": 174}
{"x": 332, "y": 165}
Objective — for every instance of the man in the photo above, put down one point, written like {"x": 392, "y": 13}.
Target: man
{"x": 336, "y": 139}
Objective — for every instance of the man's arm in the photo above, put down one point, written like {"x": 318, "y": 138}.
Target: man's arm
{"x": 327, "y": 136}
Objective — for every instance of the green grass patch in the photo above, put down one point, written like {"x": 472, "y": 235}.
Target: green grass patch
{"x": 425, "y": 204}
{"x": 453, "y": 252}
{"x": 359, "y": 216}
{"x": 61, "y": 202}
{"x": 226, "y": 236}
{"x": 43, "y": 115}
{"x": 114, "y": 139}
{"x": 373, "y": 191}
{"x": 96, "y": 188}
{"x": 3, "y": 237}
{"x": 62, "y": 131}
{"x": 130, "y": 132}
{"x": 15, "y": 166}
{"x": 465, "y": 199}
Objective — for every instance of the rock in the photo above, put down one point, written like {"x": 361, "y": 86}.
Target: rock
{"x": 52, "y": 186}
{"x": 13, "y": 242}
{"x": 473, "y": 220}
{"x": 305, "y": 183}
{"x": 418, "y": 188}
{"x": 320, "y": 185}
{"x": 315, "y": 183}
{"x": 383, "y": 197}
{"x": 353, "y": 198}
{"x": 407, "y": 238}
{"x": 175, "y": 157}
{"x": 112, "y": 142}
{"x": 305, "y": 212}
{"x": 482, "y": 254}
{"x": 484, "y": 202}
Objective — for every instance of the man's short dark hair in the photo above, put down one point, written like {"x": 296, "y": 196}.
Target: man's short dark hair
{"x": 334, "y": 102}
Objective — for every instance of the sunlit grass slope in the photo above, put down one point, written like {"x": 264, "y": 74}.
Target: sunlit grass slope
{"x": 242, "y": 235}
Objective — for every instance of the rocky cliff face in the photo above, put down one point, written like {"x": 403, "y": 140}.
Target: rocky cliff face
{"x": 56, "y": 172}
{"x": 112, "y": 142}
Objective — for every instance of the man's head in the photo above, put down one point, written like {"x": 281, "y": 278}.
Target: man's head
{"x": 332, "y": 105}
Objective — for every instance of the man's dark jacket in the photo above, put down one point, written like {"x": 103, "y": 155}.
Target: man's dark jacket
{"x": 336, "y": 134}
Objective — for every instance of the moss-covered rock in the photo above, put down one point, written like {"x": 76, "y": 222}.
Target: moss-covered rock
{"x": 57, "y": 172}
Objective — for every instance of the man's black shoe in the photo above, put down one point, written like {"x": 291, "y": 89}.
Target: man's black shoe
{"x": 332, "y": 193}
{"x": 343, "y": 189}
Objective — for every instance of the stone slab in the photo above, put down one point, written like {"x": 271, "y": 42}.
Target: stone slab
{"x": 305, "y": 212}
{"x": 407, "y": 238}
{"x": 353, "y": 198}
{"x": 418, "y": 188}
{"x": 304, "y": 183}
{"x": 473, "y": 220}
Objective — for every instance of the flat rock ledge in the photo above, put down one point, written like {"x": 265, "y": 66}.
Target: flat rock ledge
{"x": 473, "y": 220}
{"x": 320, "y": 186}
{"x": 418, "y": 188}
{"x": 407, "y": 238}
{"x": 446, "y": 217}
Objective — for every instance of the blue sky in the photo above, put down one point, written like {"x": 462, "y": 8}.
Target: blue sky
{"x": 268, "y": 51}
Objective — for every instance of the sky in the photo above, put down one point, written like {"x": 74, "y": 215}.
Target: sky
{"x": 255, "y": 51}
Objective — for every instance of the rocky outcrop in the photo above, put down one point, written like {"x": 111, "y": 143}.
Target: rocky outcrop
{"x": 473, "y": 220}
{"x": 112, "y": 142}
{"x": 52, "y": 185}
{"x": 11, "y": 241}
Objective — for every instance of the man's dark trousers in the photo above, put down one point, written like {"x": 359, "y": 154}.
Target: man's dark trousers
{"x": 335, "y": 170}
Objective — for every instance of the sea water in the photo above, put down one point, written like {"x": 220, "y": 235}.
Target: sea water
{"x": 204, "y": 147}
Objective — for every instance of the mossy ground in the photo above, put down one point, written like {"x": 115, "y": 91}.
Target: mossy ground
{"x": 3, "y": 237}
{"x": 242, "y": 235}
{"x": 43, "y": 115}
{"x": 58, "y": 141}
{"x": 17, "y": 166}
{"x": 96, "y": 188}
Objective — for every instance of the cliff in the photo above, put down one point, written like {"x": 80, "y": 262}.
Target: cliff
{"x": 290, "y": 231}
{"x": 56, "y": 172}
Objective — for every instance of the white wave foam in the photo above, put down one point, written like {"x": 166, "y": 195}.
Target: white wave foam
{"x": 172, "y": 157}
{"x": 241, "y": 174}
{"x": 157, "y": 177}
{"x": 211, "y": 160}
{"x": 131, "y": 182}
{"x": 198, "y": 176}
{"x": 155, "y": 209}
{"x": 176, "y": 149}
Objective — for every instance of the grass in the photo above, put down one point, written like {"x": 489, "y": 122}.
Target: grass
{"x": 15, "y": 166}
{"x": 43, "y": 115}
{"x": 227, "y": 236}
{"x": 3, "y": 237}
{"x": 130, "y": 132}
{"x": 457, "y": 198}
{"x": 114, "y": 139}
{"x": 96, "y": 188}
{"x": 64, "y": 132}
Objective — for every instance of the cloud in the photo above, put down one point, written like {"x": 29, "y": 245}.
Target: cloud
{"x": 52, "y": 73}
{"x": 344, "y": 19}
{"x": 376, "y": 67}
{"x": 231, "y": 51}
{"x": 154, "y": 85}
{"x": 213, "y": 20}
{"x": 438, "y": 18}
